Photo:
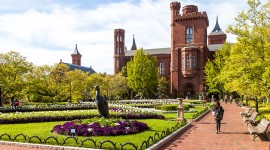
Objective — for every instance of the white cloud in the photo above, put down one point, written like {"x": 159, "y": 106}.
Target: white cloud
{"x": 45, "y": 37}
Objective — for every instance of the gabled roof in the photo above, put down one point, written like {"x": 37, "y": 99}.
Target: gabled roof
{"x": 156, "y": 51}
{"x": 76, "y": 51}
{"x": 217, "y": 30}
{"x": 151, "y": 51}
{"x": 82, "y": 68}
{"x": 214, "y": 47}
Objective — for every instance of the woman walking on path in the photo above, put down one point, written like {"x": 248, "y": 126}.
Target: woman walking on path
{"x": 218, "y": 111}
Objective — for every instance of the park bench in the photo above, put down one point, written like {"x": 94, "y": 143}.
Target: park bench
{"x": 259, "y": 129}
{"x": 251, "y": 118}
{"x": 247, "y": 113}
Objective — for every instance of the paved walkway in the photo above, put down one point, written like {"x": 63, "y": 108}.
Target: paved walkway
{"x": 202, "y": 135}
{"x": 234, "y": 134}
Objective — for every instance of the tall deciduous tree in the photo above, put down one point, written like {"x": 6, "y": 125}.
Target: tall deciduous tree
{"x": 213, "y": 69}
{"x": 13, "y": 71}
{"x": 142, "y": 73}
{"x": 244, "y": 69}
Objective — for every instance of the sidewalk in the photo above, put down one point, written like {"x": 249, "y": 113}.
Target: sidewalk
{"x": 234, "y": 134}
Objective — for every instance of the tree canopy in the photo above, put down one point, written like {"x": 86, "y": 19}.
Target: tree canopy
{"x": 142, "y": 73}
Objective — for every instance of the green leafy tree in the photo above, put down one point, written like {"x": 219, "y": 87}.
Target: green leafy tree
{"x": 142, "y": 73}
{"x": 118, "y": 86}
{"x": 76, "y": 85}
{"x": 213, "y": 69}
{"x": 58, "y": 83}
{"x": 244, "y": 69}
{"x": 163, "y": 88}
{"x": 37, "y": 89}
{"x": 13, "y": 71}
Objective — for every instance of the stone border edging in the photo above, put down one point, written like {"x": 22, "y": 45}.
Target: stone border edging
{"x": 202, "y": 115}
{"x": 54, "y": 147}
{"x": 166, "y": 139}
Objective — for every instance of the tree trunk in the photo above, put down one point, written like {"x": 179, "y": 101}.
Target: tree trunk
{"x": 256, "y": 105}
{"x": 0, "y": 97}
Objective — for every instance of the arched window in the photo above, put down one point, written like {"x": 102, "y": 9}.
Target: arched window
{"x": 189, "y": 35}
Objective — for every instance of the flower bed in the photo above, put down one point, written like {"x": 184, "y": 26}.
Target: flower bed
{"x": 67, "y": 115}
{"x": 54, "y": 107}
{"x": 119, "y": 127}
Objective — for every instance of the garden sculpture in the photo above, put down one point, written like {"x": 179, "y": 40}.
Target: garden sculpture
{"x": 102, "y": 104}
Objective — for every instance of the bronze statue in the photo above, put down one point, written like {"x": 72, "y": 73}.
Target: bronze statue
{"x": 102, "y": 104}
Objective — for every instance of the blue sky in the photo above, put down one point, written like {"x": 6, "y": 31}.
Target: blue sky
{"x": 46, "y": 31}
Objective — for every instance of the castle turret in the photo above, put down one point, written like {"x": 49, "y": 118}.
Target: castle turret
{"x": 119, "y": 49}
{"x": 217, "y": 36}
{"x": 188, "y": 49}
{"x": 76, "y": 57}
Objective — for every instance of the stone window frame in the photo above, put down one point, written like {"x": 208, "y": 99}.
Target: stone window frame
{"x": 162, "y": 68}
{"x": 189, "y": 34}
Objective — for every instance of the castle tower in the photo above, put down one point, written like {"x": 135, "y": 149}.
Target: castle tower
{"x": 217, "y": 36}
{"x": 119, "y": 50}
{"x": 188, "y": 49}
{"x": 76, "y": 57}
{"x": 133, "y": 47}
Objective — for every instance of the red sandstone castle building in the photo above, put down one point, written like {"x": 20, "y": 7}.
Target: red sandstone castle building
{"x": 182, "y": 63}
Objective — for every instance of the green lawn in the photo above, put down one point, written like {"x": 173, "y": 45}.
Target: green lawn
{"x": 43, "y": 131}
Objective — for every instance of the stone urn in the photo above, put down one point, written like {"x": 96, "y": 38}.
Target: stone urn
{"x": 180, "y": 110}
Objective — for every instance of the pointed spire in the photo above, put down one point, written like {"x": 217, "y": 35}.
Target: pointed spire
{"x": 217, "y": 30}
{"x": 76, "y": 51}
{"x": 133, "y": 47}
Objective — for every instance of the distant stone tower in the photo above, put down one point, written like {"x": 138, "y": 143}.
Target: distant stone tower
{"x": 119, "y": 50}
{"x": 189, "y": 50}
{"x": 217, "y": 36}
{"x": 76, "y": 57}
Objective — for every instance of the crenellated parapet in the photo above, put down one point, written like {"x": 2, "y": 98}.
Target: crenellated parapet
{"x": 192, "y": 16}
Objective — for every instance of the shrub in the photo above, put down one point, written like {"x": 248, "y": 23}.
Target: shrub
{"x": 169, "y": 107}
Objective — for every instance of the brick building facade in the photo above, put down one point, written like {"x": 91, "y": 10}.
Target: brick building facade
{"x": 183, "y": 63}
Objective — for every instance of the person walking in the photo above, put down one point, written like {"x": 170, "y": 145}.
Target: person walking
{"x": 231, "y": 99}
{"x": 226, "y": 99}
{"x": 218, "y": 112}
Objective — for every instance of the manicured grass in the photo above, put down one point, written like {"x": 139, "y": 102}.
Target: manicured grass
{"x": 43, "y": 131}
{"x": 187, "y": 115}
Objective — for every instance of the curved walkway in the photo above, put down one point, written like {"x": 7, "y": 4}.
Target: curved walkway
{"x": 234, "y": 134}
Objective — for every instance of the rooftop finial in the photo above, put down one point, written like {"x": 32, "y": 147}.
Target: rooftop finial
{"x": 76, "y": 51}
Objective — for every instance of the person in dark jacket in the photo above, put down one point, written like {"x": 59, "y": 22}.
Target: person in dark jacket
{"x": 217, "y": 111}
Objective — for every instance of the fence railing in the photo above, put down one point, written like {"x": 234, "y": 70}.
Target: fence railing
{"x": 96, "y": 144}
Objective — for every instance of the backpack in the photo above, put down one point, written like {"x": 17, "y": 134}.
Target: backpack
{"x": 219, "y": 113}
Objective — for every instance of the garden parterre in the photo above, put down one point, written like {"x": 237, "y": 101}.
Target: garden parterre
{"x": 155, "y": 125}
